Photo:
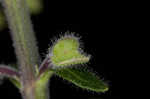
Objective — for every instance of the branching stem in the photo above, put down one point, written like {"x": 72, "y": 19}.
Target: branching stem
{"x": 24, "y": 43}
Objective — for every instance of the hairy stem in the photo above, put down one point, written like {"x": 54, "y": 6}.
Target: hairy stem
{"x": 24, "y": 42}
{"x": 42, "y": 85}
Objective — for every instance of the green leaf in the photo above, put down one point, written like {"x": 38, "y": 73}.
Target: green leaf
{"x": 83, "y": 78}
{"x": 16, "y": 82}
{"x": 65, "y": 52}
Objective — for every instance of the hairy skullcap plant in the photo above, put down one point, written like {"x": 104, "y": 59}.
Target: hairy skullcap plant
{"x": 66, "y": 52}
{"x": 31, "y": 76}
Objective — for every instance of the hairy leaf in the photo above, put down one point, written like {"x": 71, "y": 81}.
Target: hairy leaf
{"x": 65, "y": 52}
{"x": 11, "y": 74}
{"x": 83, "y": 78}
{"x": 8, "y": 71}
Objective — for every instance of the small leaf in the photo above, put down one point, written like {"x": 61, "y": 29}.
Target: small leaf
{"x": 83, "y": 78}
{"x": 16, "y": 82}
{"x": 8, "y": 71}
{"x": 11, "y": 74}
{"x": 65, "y": 52}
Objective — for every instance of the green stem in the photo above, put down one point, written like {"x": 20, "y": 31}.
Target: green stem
{"x": 42, "y": 87}
{"x": 24, "y": 42}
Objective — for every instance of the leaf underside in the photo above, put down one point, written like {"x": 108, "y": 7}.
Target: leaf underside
{"x": 83, "y": 78}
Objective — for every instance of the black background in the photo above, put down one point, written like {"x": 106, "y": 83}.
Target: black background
{"x": 94, "y": 22}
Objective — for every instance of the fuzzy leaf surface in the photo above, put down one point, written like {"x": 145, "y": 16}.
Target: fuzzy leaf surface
{"x": 83, "y": 78}
{"x": 65, "y": 52}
